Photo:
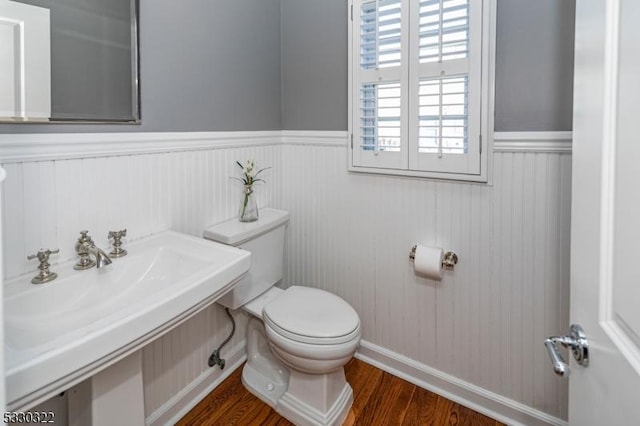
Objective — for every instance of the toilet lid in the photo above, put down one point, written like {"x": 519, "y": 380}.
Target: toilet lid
{"x": 311, "y": 315}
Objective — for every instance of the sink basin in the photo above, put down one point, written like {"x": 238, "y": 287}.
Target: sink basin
{"x": 59, "y": 333}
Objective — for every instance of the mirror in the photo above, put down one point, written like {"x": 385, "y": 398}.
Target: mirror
{"x": 67, "y": 61}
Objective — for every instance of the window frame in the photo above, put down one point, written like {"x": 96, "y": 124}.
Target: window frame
{"x": 404, "y": 164}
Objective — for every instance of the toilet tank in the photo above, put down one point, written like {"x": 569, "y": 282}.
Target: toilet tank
{"x": 264, "y": 238}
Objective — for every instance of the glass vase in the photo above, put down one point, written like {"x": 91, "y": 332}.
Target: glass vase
{"x": 248, "y": 207}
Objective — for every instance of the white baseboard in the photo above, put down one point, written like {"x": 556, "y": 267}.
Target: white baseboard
{"x": 181, "y": 403}
{"x": 481, "y": 400}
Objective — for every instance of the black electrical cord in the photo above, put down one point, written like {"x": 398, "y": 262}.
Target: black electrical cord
{"x": 215, "y": 359}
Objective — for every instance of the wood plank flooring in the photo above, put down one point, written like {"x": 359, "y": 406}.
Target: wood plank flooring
{"x": 380, "y": 399}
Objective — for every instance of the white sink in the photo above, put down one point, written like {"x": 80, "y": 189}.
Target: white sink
{"x": 59, "y": 333}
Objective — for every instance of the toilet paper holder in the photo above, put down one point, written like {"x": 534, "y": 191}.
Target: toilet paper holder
{"x": 449, "y": 259}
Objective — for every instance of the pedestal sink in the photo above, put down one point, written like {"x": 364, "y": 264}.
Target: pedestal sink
{"x": 60, "y": 333}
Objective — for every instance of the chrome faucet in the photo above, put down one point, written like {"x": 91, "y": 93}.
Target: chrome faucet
{"x": 85, "y": 247}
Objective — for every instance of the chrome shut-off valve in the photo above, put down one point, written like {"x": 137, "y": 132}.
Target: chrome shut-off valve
{"x": 576, "y": 342}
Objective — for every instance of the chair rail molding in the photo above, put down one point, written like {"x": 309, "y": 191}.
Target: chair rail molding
{"x": 316, "y": 138}
{"x": 559, "y": 142}
{"x": 15, "y": 148}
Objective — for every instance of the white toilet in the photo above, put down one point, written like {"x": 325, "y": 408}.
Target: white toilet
{"x": 299, "y": 339}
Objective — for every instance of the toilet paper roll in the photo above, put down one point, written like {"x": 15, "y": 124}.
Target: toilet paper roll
{"x": 428, "y": 262}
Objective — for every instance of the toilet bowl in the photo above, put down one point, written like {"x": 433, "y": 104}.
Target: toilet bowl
{"x": 298, "y": 339}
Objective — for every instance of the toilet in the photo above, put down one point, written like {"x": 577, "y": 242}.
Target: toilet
{"x": 298, "y": 339}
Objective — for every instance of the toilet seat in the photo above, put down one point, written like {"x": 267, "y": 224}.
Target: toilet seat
{"x": 312, "y": 351}
{"x": 311, "y": 316}
{"x": 311, "y": 358}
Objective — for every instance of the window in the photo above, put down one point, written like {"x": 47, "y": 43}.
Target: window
{"x": 419, "y": 87}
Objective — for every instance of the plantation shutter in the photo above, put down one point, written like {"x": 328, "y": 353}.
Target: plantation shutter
{"x": 380, "y": 85}
{"x": 416, "y": 80}
{"x": 445, "y": 71}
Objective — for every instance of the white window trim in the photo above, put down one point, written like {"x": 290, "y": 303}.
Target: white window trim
{"x": 486, "y": 108}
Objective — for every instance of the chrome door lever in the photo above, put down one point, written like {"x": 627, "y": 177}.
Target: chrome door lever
{"x": 576, "y": 341}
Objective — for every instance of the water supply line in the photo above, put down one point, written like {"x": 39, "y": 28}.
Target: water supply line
{"x": 214, "y": 358}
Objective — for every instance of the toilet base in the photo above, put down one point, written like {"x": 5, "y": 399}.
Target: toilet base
{"x": 316, "y": 399}
{"x": 263, "y": 374}
{"x": 302, "y": 398}
{"x": 268, "y": 391}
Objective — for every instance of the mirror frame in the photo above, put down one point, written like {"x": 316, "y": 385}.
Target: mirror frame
{"x": 135, "y": 83}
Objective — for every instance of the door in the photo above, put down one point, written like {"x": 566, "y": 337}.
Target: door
{"x": 605, "y": 233}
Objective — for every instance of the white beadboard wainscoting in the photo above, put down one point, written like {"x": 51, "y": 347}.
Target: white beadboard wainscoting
{"x": 476, "y": 336}
{"x": 145, "y": 183}
{"x": 185, "y": 186}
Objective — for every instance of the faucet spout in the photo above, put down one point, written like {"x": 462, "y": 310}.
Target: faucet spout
{"x": 102, "y": 259}
{"x": 85, "y": 248}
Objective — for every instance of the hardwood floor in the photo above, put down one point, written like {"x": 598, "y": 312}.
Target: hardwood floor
{"x": 379, "y": 399}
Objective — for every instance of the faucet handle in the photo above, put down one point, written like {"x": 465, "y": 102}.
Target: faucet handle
{"x": 83, "y": 240}
{"x": 116, "y": 236}
{"x": 44, "y": 276}
{"x": 43, "y": 255}
{"x": 84, "y": 237}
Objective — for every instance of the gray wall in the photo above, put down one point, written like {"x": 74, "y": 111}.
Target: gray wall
{"x": 282, "y": 64}
{"x": 534, "y": 65}
{"x": 205, "y": 65}
{"x": 210, "y": 65}
{"x": 314, "y": 65}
